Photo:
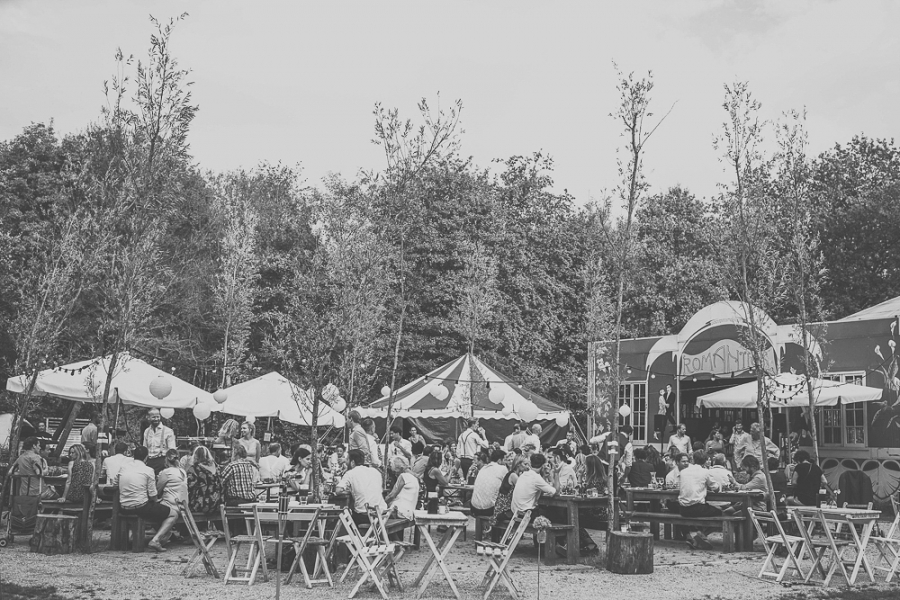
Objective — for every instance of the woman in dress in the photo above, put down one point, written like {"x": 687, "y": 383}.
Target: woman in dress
{"x": 716, "y": 443}
{"x": 432, "y": 478}
{"x": 204, "y": 482}
{"x": 250, "y": 443}
{"x": 171, "y": 483}
{"x": 402, "y": 499}
{"x": 301, "y": 468}
{"x": 415, "y": 437}
{"x": 81, "y": 473}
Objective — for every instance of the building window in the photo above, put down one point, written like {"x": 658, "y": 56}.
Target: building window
{"x": 635, "y": 396}
{"x": 844, "y": 425}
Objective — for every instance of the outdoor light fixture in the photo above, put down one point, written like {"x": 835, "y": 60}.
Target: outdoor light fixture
{"x": 624, "y": 411}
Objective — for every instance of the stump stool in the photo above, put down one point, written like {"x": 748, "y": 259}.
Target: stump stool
{"x": 629, "y": 552}
{"x": 54, "y": 534}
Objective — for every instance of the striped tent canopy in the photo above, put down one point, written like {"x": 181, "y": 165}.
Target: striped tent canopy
{"x": 469, "y": 382}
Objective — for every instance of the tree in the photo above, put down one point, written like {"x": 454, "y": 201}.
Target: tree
{"x": 751, "y": 265}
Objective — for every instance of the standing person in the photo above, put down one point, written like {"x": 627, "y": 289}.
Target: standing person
{"x": 659, "y": 419}
{"x": 807, "y": 480}
{"x": 680, "y": 442}
{"x": 273, "y": 465}
{"x": 138, "y": 496}
{"x": 694, "y": 482}
{"x": 43, "y": 437}
{"x": 757, "y": 439}
{"x": 739, "y": 442}
{"x": 358, "y": 438}
{"x": 364, "y": 485}
{"x": 157, "y": 439}
{"x": 204, "y": 482}
{"x": 249, "y": 442}
{"x": 89, "y": 435}
{"x": 716, "y": 443}
{"x": 81, "y": 473}
{"x": 470, "y": 443}
{"x": 372, "y": 439}
{"x": 239, "y": 478}
{"x": 514, "y": 440}
{"x": 414, "y": 436}
{"x": 627, "y": 450}
{"x": 534, "y": 438}
{"x": 399, "y": 446}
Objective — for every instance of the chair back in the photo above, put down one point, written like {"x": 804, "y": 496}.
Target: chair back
{"x": 770, "y": 518}
{"x": 302, "y": 518}
{"x": 378, "y": 528}
{"x": 229, "y": 512}
{"x": 515, "y": 523}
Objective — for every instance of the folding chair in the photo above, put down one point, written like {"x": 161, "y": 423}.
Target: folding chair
{"x": 370, "y": 557}
{"x": 203, "y": 543}
{"x": 302, "y": 523}
{"x": 888, "y": 547}
{"x": 498, "y": 555}
{"x": 840, "y": 526}
{"x": 818, "y": 546}
{"x": 772, "y": 543}
{"x": 255, "y": 551}
{"x": 378, "y": 531}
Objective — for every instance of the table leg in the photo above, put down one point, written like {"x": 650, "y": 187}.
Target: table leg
{"x": 573, "y": 539}
{"x": 746, "y": 541}
{"x": 861, "y": 544}
{"x": 439, "y": 553}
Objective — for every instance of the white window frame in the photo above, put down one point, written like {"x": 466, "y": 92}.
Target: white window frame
{"x": 637, "y": 402}
{"x": 843, "y": 377}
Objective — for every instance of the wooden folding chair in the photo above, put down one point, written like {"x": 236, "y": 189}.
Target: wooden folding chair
{"x": 839, "y": 528}
{"x": 203, "y": 543}
{"x": 370, "y": 557}
{"x": 378, "y": 531}
{"x": 888, "y": 547}
{"x": 302, "y": 525}
{"x": 772, "y": 543}
{"x": 255, "y": 549}
{"x": 499, "y": 554}
{"x": 818, "y": 547}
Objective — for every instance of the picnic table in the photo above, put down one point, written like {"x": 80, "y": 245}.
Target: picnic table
{"x": 455, "y": 524}
{"x": 458, "y": 491}
{"x": 656, "y": 497}
{"x": 573, "y": 503}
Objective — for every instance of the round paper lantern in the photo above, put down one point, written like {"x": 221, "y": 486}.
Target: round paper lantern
{"x": 529, "y": 411}
{"x": 251, "y": 419}
{"x": 386, "y": 391}
{"x": 624, "y": 411}
{"x": 562, "y": 420}
{"x": 442, "y": 392}
{"x": 160, "y": 387}
{"x": 496, "y": 395}
{"x": 339, "y": 405}
{"x": 220, "y": 396}
{"x": 167, "y": 413}
{"x": 202, "y": 412}
{"x": 507, "y": 410}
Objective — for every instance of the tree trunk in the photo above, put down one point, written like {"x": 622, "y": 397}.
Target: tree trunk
{"x": 66, "y": 428}
{"x": 764, "y": 459}
{"x": 98, "y": 463}
{"x": 629, "y": 552}
{"x": 54, "y": 534}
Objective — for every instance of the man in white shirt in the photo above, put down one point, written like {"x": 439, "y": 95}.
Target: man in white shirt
{"x": 534, "y": 438}
{"x": 112, "y": 465}
{"x": 569, "y": 443}
{"x": 399, "y": 446}
{"x": 364, "y": 484}
{"x": 627, "y": 449}
{"x": 755, "y": 446}
{"x": 358, "y": 438}
{"x": 515, "y": 439}
{"x": 487, "y": 485}
{"x": 695, "y": 481}
{"x": 720, "y": 472}
{"x": 530, "y": 487}
{"x": 740, "y": 441}
{"x": 673, "y": 477}
{"x": 679, "y": 441}
{"x": 273, "y": 465}
{"x": 137, "y": 496}
{"x": 470, "y": 443}
{"x": 158, "y": 439}
{"x": 563, "y": 473}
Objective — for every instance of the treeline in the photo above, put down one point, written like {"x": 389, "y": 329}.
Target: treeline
{"x": 113, "y": 239}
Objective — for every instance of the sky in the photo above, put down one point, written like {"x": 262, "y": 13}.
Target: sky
{"x": 296, "y": 82}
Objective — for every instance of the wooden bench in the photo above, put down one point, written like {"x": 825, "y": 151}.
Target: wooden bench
{"x": 554, "y": 532}
{"x": 80, "y": 510}
{"x": 731, "y": 535}
{"x": 128, "y": 531}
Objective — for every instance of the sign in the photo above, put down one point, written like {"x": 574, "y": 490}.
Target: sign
{"x": 725, "y": 356}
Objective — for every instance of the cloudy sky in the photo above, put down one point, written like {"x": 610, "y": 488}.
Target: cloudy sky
{"x": 296, "y": 81}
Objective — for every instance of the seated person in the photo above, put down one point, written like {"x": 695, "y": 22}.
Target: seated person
{"x": 138, "y": 496}
{"x": 779, "y": 480}
{"x": 807, "y": 479}
{"x": 273, "y": 465}
{"x": 81, "y": 473}
{"x": 694, "y": 482}
{"x": 563, "y": 474}
{"x": 487, "y": 485}
{"x": 239, "y": 478}
{"x": 756, "y": 482}
{"x": 642, "y": 472}
{"x": 530, "y": 487}
{"x": 31, "y": 466}
{"x": 113, "y": 464}
{"x": 403, "y": 498}
{"x": 364, "y": 485}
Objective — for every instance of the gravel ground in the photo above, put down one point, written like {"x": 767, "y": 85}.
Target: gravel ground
{"x": 679, "y": 573}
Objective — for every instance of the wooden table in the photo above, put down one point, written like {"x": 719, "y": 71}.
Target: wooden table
{"x": 573, "y": 503}
{"x": 657, "y": 496}
{"x": 865, "y": 518}
{"x": 455, "y": 524}
{"x": 268, "y": 487}
{"x": 458, "y": 491}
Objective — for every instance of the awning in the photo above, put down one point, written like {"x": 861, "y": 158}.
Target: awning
{"x": 273, "y": 395}
{"x": 789, "y": 390}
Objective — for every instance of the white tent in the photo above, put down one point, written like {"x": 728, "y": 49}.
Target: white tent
{"x": 789, "y": 390}
{"x": 273, "y": 395}
{"x": 85, "y": 381}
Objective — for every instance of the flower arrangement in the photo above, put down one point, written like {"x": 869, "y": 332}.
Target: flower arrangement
{"x": 541, "y": 522}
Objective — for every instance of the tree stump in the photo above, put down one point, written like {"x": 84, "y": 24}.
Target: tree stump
{"x": 54, "y": 534}
{"x": 629, "y": 552}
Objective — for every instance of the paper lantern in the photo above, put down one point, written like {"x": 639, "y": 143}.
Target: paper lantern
{"x": 507, "y": 410}
{"x": 167, "y": 413}
{"x": 529, "y": 411}
{"x": 220, "y": 396}
{"x": 339, "y": 405}
{"x": 202, "y": 412}
{"x": 250, "y": 419}
{"x": 440, "y": 392}
{"x": 496, "y": 395}
{"x": 160, "y": 387}
{"x": 562, "y": 420}
{"x": 330, "y": 392}
{"x": 624, "y": 411}
{"x": 386, "y": 391}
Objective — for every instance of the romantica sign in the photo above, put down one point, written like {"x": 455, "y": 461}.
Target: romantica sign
{"x": 725, "y": 357}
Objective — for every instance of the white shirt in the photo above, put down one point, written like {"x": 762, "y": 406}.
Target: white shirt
{"x": 406, "y": 500}
{"x": 158, "y": 441}
{"x": 740, "y": 442}
{"x": 364, "y": 483}
{"x": 534, "y": 440}
{"x": 137, "y": 485}
{"x": 395, "y": 451}
{"x": 529, "y": 488}
{"x": 680, "y": 443}
{"x": 721, "y": 475}
{"x": 673, "y": 478}
{"x": 273, "y": 467}
{"x": 487, "y": 485}
{"x": 513, "y": 441}
{"x": 469, "y": 443}
{"x": 565, "y": 476}
{"x": 695, "y": 480}
{"x": 113, "y": 465}
{"x": 628, "y": 455}
{"x": 374, "y": 450}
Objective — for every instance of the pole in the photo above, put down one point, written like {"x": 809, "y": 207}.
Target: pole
{"x": 283, "y": 500}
